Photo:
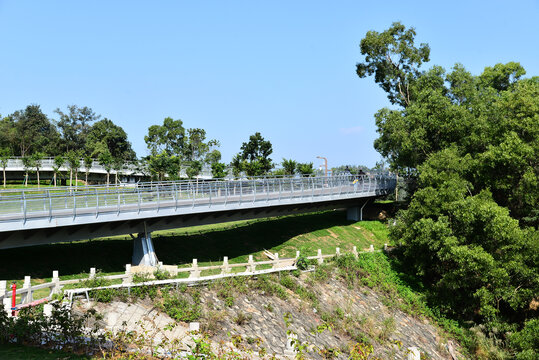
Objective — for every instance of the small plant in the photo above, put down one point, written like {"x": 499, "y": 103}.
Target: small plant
{"x": 388, "y": 327}
{"x": 302, "y": 263}
{"x": 269, "y": 307}
{"x": 160, "y": 274}
{"x": 242, "y": 318}
{"x": 229, "y": 301}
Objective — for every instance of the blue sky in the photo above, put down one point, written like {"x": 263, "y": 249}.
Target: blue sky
{"x": 283, "y": 68}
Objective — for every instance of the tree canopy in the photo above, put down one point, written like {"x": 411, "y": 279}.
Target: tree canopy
{"x": 472, "y": 145}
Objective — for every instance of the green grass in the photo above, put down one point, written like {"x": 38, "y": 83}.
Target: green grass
{"x": 208, "y": 243}
{"x": 19, "y": 352}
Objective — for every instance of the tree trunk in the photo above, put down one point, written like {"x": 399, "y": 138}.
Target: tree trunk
{"x": 4, "y": 178}
{"x": 70, "y": 178}
{"x": 76, "y": 179}
{"x": 55, "y": 179}
{"x": 116, "y": 178}
{"x": 108, "y": 177}
{"x": 37, "y": 178}
{"x": 26, "y": 180}
{"x": 86, "y": 178}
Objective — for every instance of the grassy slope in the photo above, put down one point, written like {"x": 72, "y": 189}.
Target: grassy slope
{"x": 208, "y": 244}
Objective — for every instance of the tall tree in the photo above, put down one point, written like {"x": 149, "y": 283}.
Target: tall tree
{"x": 168, "y": 137}
{"x": 73, "y": 160}
{"x": 28, "y": 164}
{"x": 58, "y": 162}
{"x": 33, "y": 131}
{"x": 106, "y": 133}
{"x": 256, "y": 153}
{"x": 106, "y": 160}
{"x": 5, "y": 155}
{"x": 394, "y": 60}
{"x": 473, "y": 143}
{"x": 37, "y": 158}
{"x": 88, "y": 161}
{"x": 74, "y": 126}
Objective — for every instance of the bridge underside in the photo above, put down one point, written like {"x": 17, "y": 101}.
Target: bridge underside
{"x": 77, "y": 232}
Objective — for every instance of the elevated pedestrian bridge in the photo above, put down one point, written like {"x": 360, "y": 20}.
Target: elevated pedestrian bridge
{"x": 33, "y": 217}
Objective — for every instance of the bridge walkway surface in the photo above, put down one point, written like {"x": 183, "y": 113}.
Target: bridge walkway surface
{"x": 33, "y": 217}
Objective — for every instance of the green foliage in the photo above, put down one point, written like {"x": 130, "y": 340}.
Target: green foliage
{"x": 218, "y": 170}
{"x": 254, "y": 156}
{"x": 289, "y": 166}
{"x": 472, "y": 146}
{"x": 104, "y": 134}
{"x": 181, "y": 307}
{"x": 394, "y": 60}
{"x": 167, "y": 138}
{"x": 74, "y": 126}
{"x": 526, "y": 341}
{"x": 305, "y": 169}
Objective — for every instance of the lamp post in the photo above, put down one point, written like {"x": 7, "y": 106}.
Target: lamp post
{"x": 325, "y": 164}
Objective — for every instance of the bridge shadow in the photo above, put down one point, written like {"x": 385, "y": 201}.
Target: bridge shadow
{"x": 111, "y": 255}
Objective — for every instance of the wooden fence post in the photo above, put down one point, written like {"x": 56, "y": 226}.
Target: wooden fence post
{"x": 371, "y": 248}
{"x": 337, "y": 252}
{"x": 354, "y": 251}
{"x": 92, "y": 273}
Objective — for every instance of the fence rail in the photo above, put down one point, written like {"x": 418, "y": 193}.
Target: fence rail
{"x": 26, "y": 293}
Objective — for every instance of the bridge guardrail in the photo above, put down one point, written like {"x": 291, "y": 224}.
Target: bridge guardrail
{"x": 23, "y": 205}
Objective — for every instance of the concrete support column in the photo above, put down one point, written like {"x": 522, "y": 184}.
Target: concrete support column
{"x": 355, "y": 213}
{"x": 143, "y": 251}
{"x": 352, "y": 213}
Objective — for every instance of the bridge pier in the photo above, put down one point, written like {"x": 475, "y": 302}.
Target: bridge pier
{"x": 143, "y": 251}
{"x": 355, "y": 213}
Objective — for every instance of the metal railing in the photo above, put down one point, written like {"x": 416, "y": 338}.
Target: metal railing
{"x": 23, "y": 205}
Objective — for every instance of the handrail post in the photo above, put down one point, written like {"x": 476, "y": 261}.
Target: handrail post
{"x": 24, "y": 207}
{"x": 209, "y": 186}
{"x": 96, "y": 203}
{"x": 175, "y": 197}
{"x": 254, "y": 191}
{"x": 241, "y": 190}
{"x": 74, "y": 205}
{"x": 158, "y": 197}
{"x": 50, "y": 205}
{"x": 119, "y": 201}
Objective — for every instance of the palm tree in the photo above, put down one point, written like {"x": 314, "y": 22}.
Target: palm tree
{"x": 27, "y": 163}
{"x": 88, "y": 160}
{"x": 36, "y": 162}
{"x": 59, "y": 161}
{"x": 73, "y": 160}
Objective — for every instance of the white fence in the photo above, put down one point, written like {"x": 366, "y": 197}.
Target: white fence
{"x": 25, "y": 295}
